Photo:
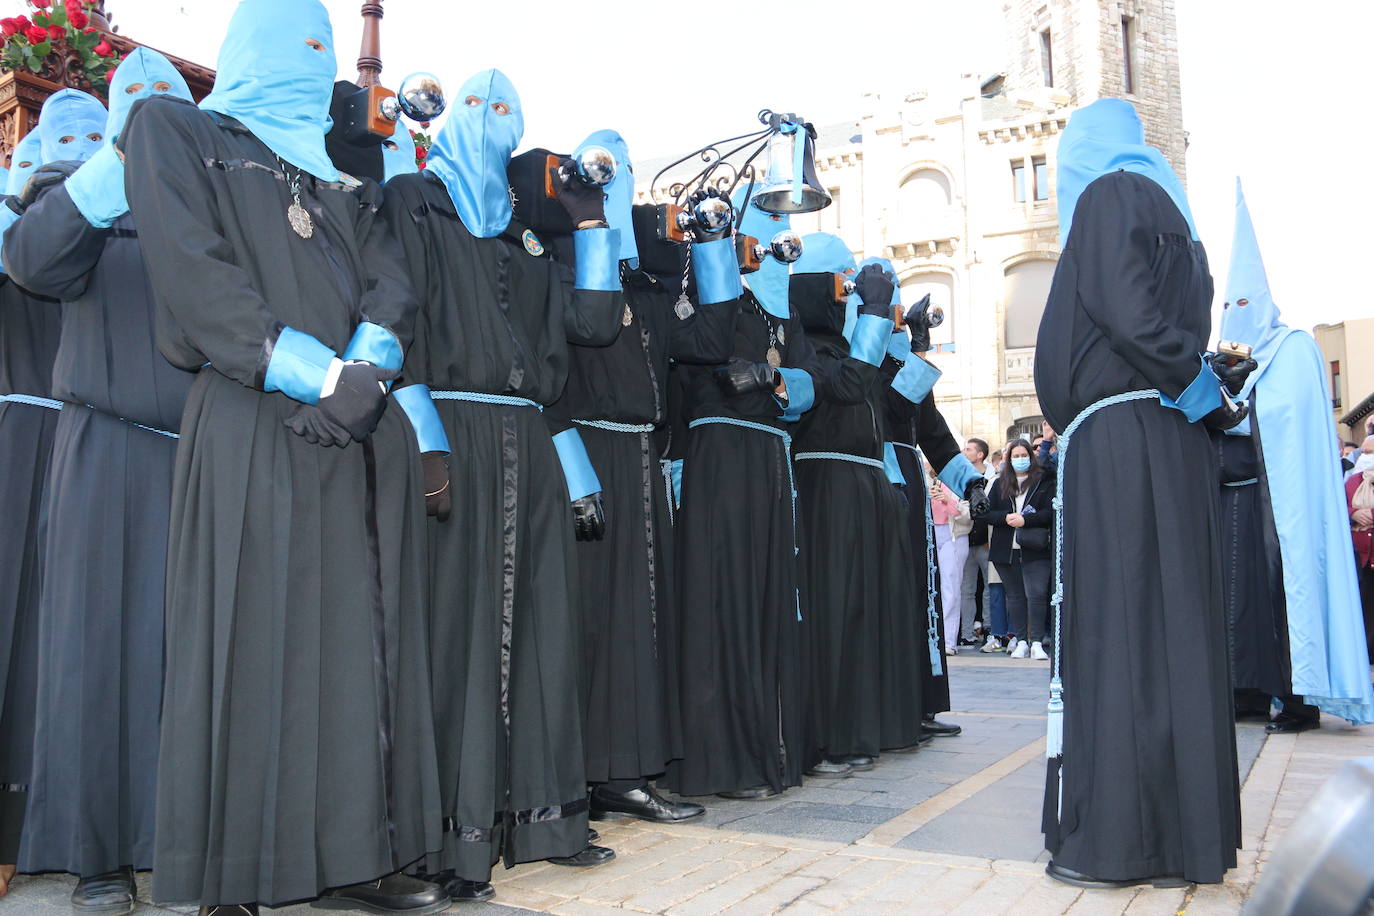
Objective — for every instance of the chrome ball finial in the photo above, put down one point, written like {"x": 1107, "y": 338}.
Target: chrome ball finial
{"x": 712, "y": 214}
{"x": 786, "y": 246}
{"x": 421, "y": 97}
{"x": 596, "y": 166}
{"x": 935, "y": 317}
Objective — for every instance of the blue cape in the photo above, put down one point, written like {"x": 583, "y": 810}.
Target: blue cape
{"x": 769, "y": 283}
{"x": 144, "y": 68}
{"x": 473, "y": 149}
{"x": 1103, "y": 137}
{"x": 851, "y": 308}
{"x": 620, "y": 193}
{"x": 401, "y": 159}
{"x": 276, "y": 83}
{"x": 69, "y": 113}
{"x": 1302, "y": 476}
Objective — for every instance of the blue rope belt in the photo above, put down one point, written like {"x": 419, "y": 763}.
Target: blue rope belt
{"x": 481, "y": 397}
{"x": 1241, "y": 483}
{"x": 612, "y": 427}
{"x": 791, "y": 479}
{"x": 937, "y": 662}
{"x": 1054, "y": 734}
{"x": 151, "y": 429}
{"x": 838, "y": 456}
{"x": 666, "y": 466}
{"x": 31, "y": 400}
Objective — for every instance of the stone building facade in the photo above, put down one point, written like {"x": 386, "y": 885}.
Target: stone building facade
{"x": 955, "y": 185}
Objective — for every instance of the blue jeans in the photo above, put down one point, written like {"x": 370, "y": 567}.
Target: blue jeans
{"x": 995, "y": 600}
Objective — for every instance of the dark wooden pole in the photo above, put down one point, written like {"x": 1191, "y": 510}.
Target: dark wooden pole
{"x": 370, "y": 57}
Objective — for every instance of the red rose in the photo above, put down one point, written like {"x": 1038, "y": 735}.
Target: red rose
{"x": 9, "y": 26}
{"x": 22, "y": 22}
{"x": 36, "y": 34}
{"x": 56, "y": 31}
{"x": 425, "y": 125}
{"x": 420, "y": 165}
{"x": 78, "y": 19}
{"x": 89, "y": 31}
{"x": 103, "y": 49}
{"x": 41, "y": 4}
{"x": 421, "y": 153}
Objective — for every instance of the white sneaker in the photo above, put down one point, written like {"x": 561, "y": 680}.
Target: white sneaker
{"x": 950, "y": 650}
{"x": 992, "y": 645}
{"x": 1022, "y": 650}
{"x": 1012, "y": 643}
{"x": 1037, "y": 652}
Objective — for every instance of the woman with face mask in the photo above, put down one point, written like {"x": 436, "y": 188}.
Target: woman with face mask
{"x": 1021, "y": 516}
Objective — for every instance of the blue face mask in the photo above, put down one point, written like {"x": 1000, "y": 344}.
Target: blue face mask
{"x": 138, "y": 77}
{"x": 67, "y": 123}
{"x": 1020, "y": 465}
{"x": 28, "y": 155}
{"x": 770, "y": 282}
{"x": 620, "y": 193}
{"x": 472, "y": 151}
{"x": 398, "y": 154}
{"x": 276, "y": 75}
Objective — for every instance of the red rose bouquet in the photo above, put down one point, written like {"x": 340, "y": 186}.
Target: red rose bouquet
{"x": 30, "y": 43}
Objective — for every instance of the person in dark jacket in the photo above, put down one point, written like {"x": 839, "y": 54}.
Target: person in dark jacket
{"x": 1021, "y": 522}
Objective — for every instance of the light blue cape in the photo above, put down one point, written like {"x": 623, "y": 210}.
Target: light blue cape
{"x": 277, "y": 84}
{"x": 769, "y": 283}
{"x": 851, "y": 308}
{"x": 401, "y": 160}
{"x": 1103, "y": 137}
{"x": 1302, "y": 475}
{"x": 472, "y": 151}
{"x": 620, "y": 193}
{"x": 29, "y": 150}
{"x": 69, "y": 113}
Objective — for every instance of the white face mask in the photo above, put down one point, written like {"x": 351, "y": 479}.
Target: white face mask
{"x": 1365, "y": 462}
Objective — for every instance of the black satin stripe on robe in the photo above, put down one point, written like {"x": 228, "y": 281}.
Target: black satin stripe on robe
{"x": 29, "y": 329}
{"x": 297, "y": 748}
{"x": 1148, "y": 775}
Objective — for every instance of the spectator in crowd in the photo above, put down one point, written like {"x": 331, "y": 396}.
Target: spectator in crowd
{"x": 995, "y": 462}
{"x": 1359, "y": 495}
{"x": 995, "y": 609}
{"x": 1364, "y": 458}
{"x": 976, "y": 450}
{"x": 1047, "y": 449}
{"x": 1021, "y": 516}
{"x": 1348, "y": 456}
{"x": 952, "y": 526}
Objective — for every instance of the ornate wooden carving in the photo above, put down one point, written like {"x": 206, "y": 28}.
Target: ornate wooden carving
{"x": 370, "y": 55}
{"x": 21, "y": 98}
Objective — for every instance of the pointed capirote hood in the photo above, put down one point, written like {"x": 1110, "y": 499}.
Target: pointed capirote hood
{"x": 620, "y": 193}
{"x": 67, "y": 122}
{"x": 473, "y": 149}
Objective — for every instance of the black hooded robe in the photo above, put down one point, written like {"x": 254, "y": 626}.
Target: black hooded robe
{"x": 496, "y": 320}
{"x": 1148, "y": 776}
{"x": 297, "y": 749}
{"x": 29, "y": 330}
{"x": 91, "y": 801}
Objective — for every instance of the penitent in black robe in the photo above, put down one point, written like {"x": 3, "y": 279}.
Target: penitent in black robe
{"x": 297, "y": 747}
{"x": 91, "y": 801}
{"x": 625, "y": 603}
{"x": 496, "y": 320}
{"x": 1148, "y": 773}
{"x": 29, "y": 329}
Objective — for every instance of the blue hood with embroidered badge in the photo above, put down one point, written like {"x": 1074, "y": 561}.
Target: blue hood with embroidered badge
{"x": 69, "y": 113}
{"x": 472, "y": 151}
{"x": 769, "y": 283}
{"x": 1103, "y": 137}
{"x": 29, "y": 150}
{"x": 276, "y": 76}
{"x": 398, "y": 153}
{"x": 620, "y": 193}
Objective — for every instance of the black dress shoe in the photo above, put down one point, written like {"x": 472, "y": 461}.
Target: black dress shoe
{"x": 1284, "y": 724}
{"x": 460, "y": 890}
{"x": 938, "y": 729}
{"x": 753, "y": 793}
{"x": 859, "y": 762}
{"x": 110, "y": 893}
{"x": 396, "y": 893}
{"x": 831, "y": 769}
{"x": 230, "y": 909}
{"x": 592, "y": 835}
{"x": 643, "y": 803}
{"x": 1077, "y": 879}
{"x": 592, "y": 855}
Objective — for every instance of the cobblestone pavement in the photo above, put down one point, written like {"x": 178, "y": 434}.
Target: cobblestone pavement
{"x": 952, "y": 828}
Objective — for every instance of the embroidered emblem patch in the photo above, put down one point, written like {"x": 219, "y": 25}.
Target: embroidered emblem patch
{"x": 532, "y": 243}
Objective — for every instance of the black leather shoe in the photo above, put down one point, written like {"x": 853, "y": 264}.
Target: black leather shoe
{"x": 753, "y": 793}
{"x": 592, "y": 855}
{"x": 230, "y": 909}
{"x": 831, "y": 769}
{"x": 396, "y": 893}
{"x": 937, "y": 729}
{"x": 110, "y": 893}
{"x": 1284, "y": 724}
{"x": 644, "y": 803}
{"x": 859, "y": 762}
{"x": 461, "y": 890}
{"x": 592, "y": 835}
{"x": 1077, "y": 879}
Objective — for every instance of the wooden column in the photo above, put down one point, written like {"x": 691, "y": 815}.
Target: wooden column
{"x": 370, "y": 56}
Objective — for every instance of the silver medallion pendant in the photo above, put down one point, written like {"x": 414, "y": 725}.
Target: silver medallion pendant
{"x": 782, "y": 336}
{"x": 774, "y": 357}
{"x": 684, "y": 308}
{"x": 627, "y": 317}
{"x": 300, "y": 220}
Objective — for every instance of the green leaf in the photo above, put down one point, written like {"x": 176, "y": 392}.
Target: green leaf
{"x": 42, "y": 49}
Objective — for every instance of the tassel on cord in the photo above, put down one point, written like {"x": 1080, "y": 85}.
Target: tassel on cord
{"x": 1054, "y": 733}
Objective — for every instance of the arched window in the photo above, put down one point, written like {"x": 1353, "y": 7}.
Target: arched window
{"x": 941, "y": 289}
{"x": 1026, "y": 287}
{"x": 924, "y": 200}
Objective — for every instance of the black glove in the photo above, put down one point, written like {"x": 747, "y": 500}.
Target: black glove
{"x": 741, "y": 376}
{"x": 582, "y": 200}
{"x": 308, "y": 422}
{"x": 44, "y": 177}
{"x": 1229, "y": 414}
{"x": 358, "y": 399}
{"x": 1231, "y": 374}
{"x": 977, "y": 495}
{"x": 917, "y": 318}
{"x": 589, "y": 519}
{"x": 699, "y": 234}
{"x": 874, "y": 288}
{"x": 438, "y": 496}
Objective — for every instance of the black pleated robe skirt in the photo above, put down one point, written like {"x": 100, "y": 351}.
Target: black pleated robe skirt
{"x": 934, "y": 687}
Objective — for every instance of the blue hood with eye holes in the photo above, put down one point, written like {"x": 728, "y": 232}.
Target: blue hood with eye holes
{"x": 69, "y": 113}
{"x": 471, "y": 153}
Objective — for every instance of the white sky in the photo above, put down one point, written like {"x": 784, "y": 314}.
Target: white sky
{"x": 1272, "y": 92}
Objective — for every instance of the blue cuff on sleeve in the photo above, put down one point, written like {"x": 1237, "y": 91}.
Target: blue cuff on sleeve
{"x": 957, "y": 474}
{"x": 717, "y": 271}
{"x": 916, "y": 380}
{"x": 1201, "y": 397}
{"x": 374, "y": 344}
{"x": 598, "y": 258}
{"x": 801, "y": 393}
{"x": 891, "y": 465}
{"x": 899, "y": 347}
{"x": 424, "y": 418}
{"x": 97, "y": 188}
{"x": 298, "y": 366}
{"x": 675, "y": 475}
{"x": 869, "y": 338}
{"x": 577, "y": 467}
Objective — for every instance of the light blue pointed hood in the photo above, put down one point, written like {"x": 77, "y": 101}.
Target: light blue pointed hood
{"x": 69, "y": 113}
{"x": 144, "y": 68}
{"x": 851, "y": 308}
{"x": 1256, "y": 323}
{"x": 620, "y": 193}
{"x": 29, "y": 150}
{"x": 272, "y": 79}
{"x": 769, "y": 283}
{"x": 824, "y": 253}
{"x": 472, "y": 151}
{"x": 398, "y": 153}
{"x": 1103, "y": 137}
